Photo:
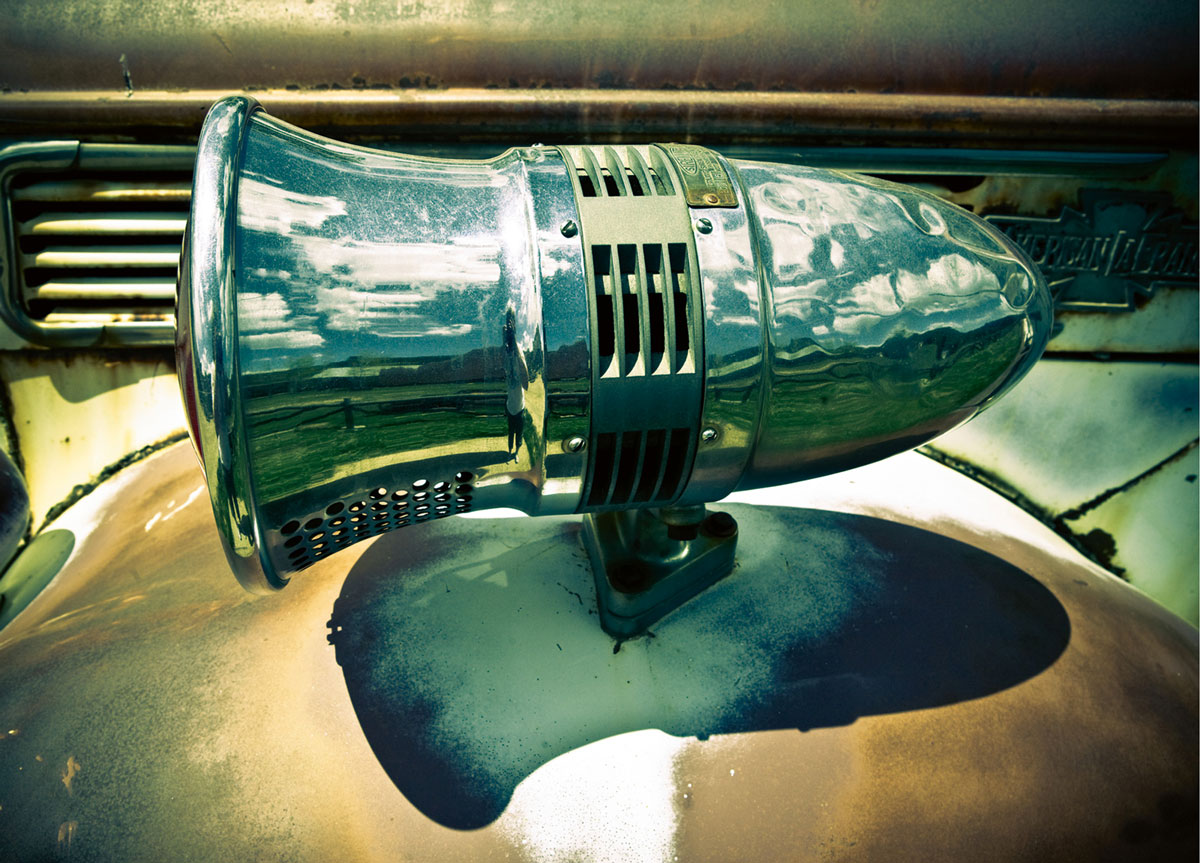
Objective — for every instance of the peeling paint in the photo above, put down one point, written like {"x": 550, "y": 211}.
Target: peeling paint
{"x": 1084, "y": 508}
{"x": 12, "y": 441}
{"x": 998, "y": 485}
{"x": 83, "y": 489}
{"x": 1102, "y": 548}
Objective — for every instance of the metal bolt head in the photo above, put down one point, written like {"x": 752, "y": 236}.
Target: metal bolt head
{"x": 710, "y": 198}
{"x": 574, "y": 444}
{"x": 704, "y": 226}
{"x": 708, "y": 435}
{"x": 720, "y": 524}
{"x": 569, "y": 228}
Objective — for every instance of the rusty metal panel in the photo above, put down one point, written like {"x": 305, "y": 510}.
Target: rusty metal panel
{"x": 1105, "y": 453}
{"x": 1029, "y": 70}
{"x": 75, "y": 415}
{"x": 1038, "y": 48}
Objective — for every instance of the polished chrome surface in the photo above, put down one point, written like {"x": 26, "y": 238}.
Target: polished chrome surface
{"x": 385, "y": 338}
{"x": 564, "y": 326}
{"x": 907, "y": 668}
{"x": 207, "y": 340}
{"x": 371, "y": 340}
{"x": 734, "y": 344}
{"x": 890, "y": 317}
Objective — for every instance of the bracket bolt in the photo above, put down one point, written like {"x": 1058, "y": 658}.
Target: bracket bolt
{"x": 704, "y": 226}
{"x": 569, "y": 228}
{"x": 710, "y": 198}
{"x": 708, "y": 435}
{"x": 720, "y": 524}
{"x": 575, "y": 444}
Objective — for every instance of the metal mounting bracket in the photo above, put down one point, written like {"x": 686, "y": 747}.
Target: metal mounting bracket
{"x": 648, "y": 562}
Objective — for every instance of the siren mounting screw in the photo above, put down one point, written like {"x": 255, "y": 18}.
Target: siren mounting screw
{"x": 575, "y": 444}
{"x": 569, "y": 228}
{"x": 704, "y": 226}
{"x": 708, "y": 435}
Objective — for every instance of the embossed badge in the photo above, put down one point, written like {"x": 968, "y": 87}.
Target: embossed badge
{"x": 1116, "y": 245}
{"x": 705, "y": 181}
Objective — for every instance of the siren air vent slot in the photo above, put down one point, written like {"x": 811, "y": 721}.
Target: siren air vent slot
{"x": 606, "y": 328}
{"x": 629, "y": 466}
{"x": 602, "y": 470}
{"x": 677, "y": 457}
{"x": 97, "y": 244}
{"x": 652, "y": 460}
{"x": 610, "y": 172}
{"x": 655, "y": 283}
{"x": 631, "y": 292}
{"x": 642, "y": 309}
{"x": 680, "y": 280}
{"x": 644, "y": 467}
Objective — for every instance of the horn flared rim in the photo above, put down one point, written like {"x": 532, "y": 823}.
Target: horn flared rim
{"x": 207, "y": 342}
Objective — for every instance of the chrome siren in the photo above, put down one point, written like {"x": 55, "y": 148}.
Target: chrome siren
{"x": 369, "y": 340}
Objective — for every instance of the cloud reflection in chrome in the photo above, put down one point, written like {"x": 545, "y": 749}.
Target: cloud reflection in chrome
{"x": 895, "y": 317}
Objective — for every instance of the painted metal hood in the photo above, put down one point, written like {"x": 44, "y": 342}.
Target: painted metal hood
{"x": 883, "y": 678}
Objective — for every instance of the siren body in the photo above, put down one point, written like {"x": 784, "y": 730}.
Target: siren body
{"x": 369, "y": 340}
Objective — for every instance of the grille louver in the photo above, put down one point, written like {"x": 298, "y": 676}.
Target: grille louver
{"x": 93, "y": 234}
{"x": 612, "y": 172}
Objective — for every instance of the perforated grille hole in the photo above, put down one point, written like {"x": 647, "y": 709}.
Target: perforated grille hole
{"x": 344, "y": 522}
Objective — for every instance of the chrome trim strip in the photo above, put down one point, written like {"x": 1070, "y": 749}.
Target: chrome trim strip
{"x": 591, "y": 114}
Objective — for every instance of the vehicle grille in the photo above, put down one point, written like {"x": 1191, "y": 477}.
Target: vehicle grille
{"x": 93, "y": 247}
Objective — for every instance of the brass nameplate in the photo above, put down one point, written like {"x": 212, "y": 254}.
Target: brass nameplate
{"x": 705, "y": 181}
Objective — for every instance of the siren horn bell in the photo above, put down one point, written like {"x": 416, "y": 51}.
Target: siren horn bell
{"x": 369, "y": 340}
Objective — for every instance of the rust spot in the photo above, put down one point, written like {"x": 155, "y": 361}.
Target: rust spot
{"x": 68, "y": 776}
{"x": 1102, "y": 547}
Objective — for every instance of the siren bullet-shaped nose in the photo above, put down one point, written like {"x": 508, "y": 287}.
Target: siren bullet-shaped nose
{"x": 890, "y": 317}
